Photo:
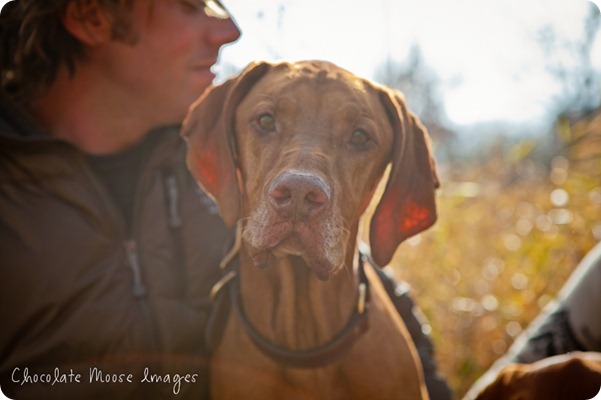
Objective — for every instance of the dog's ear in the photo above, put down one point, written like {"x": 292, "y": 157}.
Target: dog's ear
{"x": 209, "y": 132}
{"x": 408, "y": 205}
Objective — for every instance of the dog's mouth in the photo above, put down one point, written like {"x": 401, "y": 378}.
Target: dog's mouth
{"x": 314, "y": 245}
{"x": 297, "y": 215}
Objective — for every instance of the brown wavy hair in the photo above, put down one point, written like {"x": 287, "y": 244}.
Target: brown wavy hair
{"x": 34, "y": 42}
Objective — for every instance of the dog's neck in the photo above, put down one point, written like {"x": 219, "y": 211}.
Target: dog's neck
{"x": 291, "y": 307}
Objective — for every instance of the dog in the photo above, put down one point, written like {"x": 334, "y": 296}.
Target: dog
{"x": 573, "y": 376}
{"x": 293, "y": 153}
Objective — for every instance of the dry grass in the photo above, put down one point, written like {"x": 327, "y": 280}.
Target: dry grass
{"x": 510, "y": 232}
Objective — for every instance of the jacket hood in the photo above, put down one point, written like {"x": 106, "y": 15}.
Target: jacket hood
{"x": 15, "y": 122}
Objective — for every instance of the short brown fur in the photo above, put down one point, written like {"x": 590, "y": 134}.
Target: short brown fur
{"x": 306, "y": 287}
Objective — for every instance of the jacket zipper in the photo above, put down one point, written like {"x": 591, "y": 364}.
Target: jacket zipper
{"x": 175, "y": 218}
{"x": 139, "y": 291}
{"x": 131, "y": 250}
{"x": 131, "y": 254}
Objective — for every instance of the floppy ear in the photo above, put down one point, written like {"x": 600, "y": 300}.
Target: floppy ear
{"x": 408, "y": 204}
{"x": 209, "y": 132}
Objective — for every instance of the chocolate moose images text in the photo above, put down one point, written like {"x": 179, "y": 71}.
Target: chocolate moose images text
{"x": 23, "y": 376}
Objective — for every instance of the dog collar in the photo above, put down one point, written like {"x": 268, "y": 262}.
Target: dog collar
{"x": 320, "y": 356}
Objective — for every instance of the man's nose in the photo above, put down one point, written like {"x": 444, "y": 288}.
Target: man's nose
{"x": 223, "y": 31}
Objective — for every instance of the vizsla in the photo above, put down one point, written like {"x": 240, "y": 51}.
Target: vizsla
{"x": 294, "y": 152}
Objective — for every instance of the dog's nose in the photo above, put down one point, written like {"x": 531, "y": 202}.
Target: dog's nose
{"x": 299, "y": 195}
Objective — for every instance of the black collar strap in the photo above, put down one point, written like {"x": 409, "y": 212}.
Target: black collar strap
{"x": 321, "y": 356}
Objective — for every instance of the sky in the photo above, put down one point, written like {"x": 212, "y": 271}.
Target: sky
{"x": 484, "y": 52}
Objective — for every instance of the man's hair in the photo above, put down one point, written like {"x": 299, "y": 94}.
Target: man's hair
{"x": 34, "y": 43}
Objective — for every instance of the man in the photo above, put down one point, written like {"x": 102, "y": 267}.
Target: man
{"x": 108, "y": 249}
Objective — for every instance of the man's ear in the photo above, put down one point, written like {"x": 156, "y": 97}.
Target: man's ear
{"x": 408, "y": 204}
{"x": 209, "y": 132}
{"x": 87, "y": 22}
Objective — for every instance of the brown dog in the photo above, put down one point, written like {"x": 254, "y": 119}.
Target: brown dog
{"x": 295, "y": 152}
{"x": 575, "y": 376}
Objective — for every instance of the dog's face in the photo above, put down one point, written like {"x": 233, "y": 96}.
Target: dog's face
{"x": 312, "y": 146}
{"x": 297, "y": 150}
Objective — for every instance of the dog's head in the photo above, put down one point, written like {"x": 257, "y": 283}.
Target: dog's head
{"x": 297, "y": 150}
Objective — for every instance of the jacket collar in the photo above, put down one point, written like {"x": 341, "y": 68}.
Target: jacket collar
{"x": 15, "y": 121}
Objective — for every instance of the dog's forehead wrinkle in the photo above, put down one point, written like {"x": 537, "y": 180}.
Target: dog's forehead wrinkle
{"x": 351, "y": 113}
{"x": 283, "y": 91}
{"x": 308, "y": 158}
{"x": 324, "y": 71}
{"x": 323, "y": 81}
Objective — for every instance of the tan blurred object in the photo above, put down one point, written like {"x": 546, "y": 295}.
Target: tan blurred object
{"x": 574, "y": 376}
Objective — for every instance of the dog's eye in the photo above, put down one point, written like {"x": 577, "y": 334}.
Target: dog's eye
{"x": 267, "y": 122}
{"x": 360, "y": 138}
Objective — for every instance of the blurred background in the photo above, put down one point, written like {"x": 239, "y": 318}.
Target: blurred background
{"x": 510, "y": 91}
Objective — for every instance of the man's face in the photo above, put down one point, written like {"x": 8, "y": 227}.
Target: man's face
{"x": 168, "y": 65}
